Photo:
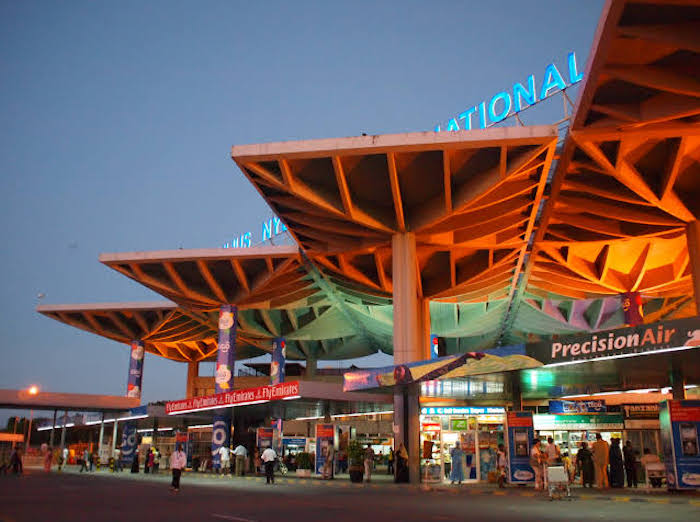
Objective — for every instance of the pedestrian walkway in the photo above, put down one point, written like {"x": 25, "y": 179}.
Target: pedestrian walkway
{"x": 379, "y": 482}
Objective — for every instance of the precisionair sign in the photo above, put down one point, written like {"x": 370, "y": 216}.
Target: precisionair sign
{"x": 681, "y": 334}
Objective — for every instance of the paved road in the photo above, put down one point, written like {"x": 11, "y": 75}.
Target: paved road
{"x": 96, "y": 498}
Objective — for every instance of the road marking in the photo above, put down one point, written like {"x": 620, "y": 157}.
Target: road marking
{"x": 230, "y": 517}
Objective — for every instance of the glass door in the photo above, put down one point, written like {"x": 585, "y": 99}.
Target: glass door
{"x": 470, "y": 443}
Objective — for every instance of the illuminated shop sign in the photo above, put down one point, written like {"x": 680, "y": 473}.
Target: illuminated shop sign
{"x": 503, "y": 104}
{"x": 271, "y": 228}
{"x": 666, "y": 336}
{"x": 463, "y": 410}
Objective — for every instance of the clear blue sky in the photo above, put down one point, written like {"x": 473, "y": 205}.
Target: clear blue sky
{"x": 117, "y": 120}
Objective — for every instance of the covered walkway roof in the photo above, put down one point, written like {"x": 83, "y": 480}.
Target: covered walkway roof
{"x": 512, "y": 245}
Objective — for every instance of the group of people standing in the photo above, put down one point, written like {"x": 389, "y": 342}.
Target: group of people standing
{"x": 605, "y": 464}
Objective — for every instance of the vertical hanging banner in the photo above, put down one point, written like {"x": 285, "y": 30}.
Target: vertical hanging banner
{"x": 133, "y": 386}
{"x": 434, "y": 347}
{"x": 277, "y": 374}
{"x": 632, "y": 308}
{"x": 223, "y": 378}
{"x": 519, "y": 435}
{"x": 226, "y": 357}
{"x": 128, "y": 449}
{"x": 220, "y": 434}
{"x": 325, "y": 434}
{"x": 680, "y": 424}
{"x": 279, "y": 359}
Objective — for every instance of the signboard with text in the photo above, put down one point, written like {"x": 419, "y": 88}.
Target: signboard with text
{"x": 561, "y": 406}
{"x": 242, "y": 397}
{"x": 519, "y": 436}
{"x": 680, "y": 424}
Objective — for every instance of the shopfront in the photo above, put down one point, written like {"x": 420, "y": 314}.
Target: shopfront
{"x": 479, "y": 430}
{"x": 642, "y": 427}
{"x": 570, "y": 429}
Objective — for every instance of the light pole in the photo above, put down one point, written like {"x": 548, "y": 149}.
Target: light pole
{"x": 33, "y": 390}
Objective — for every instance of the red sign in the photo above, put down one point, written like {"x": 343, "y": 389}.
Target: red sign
{"x": 684, "y": 413}
{"x": 285, "y": 390}
{"x": 518, "y": 421}
{"x": 431, "y": 426}
{"x": 324, "y": 430}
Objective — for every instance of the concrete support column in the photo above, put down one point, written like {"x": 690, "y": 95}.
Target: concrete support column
{"x": 677, "y": 381}
{"x": 411, "y": 343}
{"x": 311, "y": 367}
{"x": 101, "y": 438}
{"x": 53, "y": 425}
{"x": 63, "y": 431}
{"x": 516, "y": 391}
{"x": 114, "y": 435}
{"x": 135, "y": 380}
{"x": 693, "y": 238}
{"x": 192, "y": 374}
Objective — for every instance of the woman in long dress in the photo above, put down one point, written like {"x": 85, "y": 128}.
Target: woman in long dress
{"x": 617, "y": 467}
{"x": 457, "y": 472}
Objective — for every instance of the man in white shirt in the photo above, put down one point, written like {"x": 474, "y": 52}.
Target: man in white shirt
{"x": 178, "y": 461}
{"x": 65, "y": 453}
{"x": 224, "y": 459}
{"x": 241, "y": 455}
{"x": 116, "y": 458}
{"x": 268, "y": 457}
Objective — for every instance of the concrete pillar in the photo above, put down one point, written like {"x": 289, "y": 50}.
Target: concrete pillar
{"x": 63, "y": 431}
{"x": 53, "y": 425}
{"x": 677, "y": 381}
{"x": 135, "y": 380}
{"x": 311, "y": 366}
{"x": 192, "y": 374}
{"x": 693, "y": 238}
{"x": 516, "y": 391}
{"x": 114, "y": 435}
{"x": 102, "y": 434}
{"x": 411, "y": 343}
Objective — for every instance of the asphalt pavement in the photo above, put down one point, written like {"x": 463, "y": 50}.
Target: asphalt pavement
{"x": 102, "y": 496}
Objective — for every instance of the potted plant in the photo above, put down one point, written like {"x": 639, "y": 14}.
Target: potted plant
{"x": 356, "y": 457}
{"x": 304, "y": 463}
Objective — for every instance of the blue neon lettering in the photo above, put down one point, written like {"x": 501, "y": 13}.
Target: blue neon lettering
{"x": 267, "y": 229}
{"x": 495, "y": 118}
{"x": 529, "y": 94}
{"x": 574, "y": 75}
{"x": 552, "y": 80}
{"x": 452, "y": 125}
{"x": 482, "y": 115}
{"x": 467, "y": 117}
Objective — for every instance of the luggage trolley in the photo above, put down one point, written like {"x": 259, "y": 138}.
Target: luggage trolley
{"x": 558, "y": 483}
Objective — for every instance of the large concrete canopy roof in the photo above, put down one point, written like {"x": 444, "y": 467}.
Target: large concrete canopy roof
{"x": 501, "y": 256}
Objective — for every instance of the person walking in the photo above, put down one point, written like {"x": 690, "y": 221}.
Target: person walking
{"x": 224, "y": 460}
{"x": 48, "y": 459}
{"x": 457, "y": 471}
{"x": 390, "y": 462}
{"x": 84, "y": 461}
{"x": 401, "y": 464}
{"x": 584, "y": 463}
{"x": 156, "y": 461}
{"x": 537, "y": 460}
{"x": 601, "y": 458}
{"x": 178, "y": 461}
{"x": 369, "y": 462}
{"x": 64, "y": 454}
{"x": 16, "y": 461}
{"x": 116, "y": 455}
{"x": 268, "y": 457}
{"x": 630, "y": 457}
{"x": 501, "y": 465}
{"x": 241, "y": 455}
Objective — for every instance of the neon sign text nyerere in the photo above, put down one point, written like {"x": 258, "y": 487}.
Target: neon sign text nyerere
{"x": 503, "y": 104}
{"x": 270, "y": 228}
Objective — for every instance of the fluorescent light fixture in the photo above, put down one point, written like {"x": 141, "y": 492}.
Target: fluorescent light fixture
{"x": 165, "y": 429}
{"x": 363, "y": 414}
{"x": 291, "y": 398}
{"x": 133, "y": 417}
{"x": 619, "y": 356}
{"x": 307, "y": 418}
{"x": 200, "y": 426}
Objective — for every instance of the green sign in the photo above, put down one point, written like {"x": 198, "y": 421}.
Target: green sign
{"x": 458, "y": 425}
{"x": 600, "y": 421}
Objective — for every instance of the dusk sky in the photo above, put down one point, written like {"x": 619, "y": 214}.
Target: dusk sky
{"x": 118, "y": 119}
